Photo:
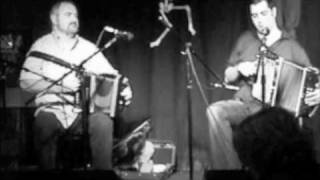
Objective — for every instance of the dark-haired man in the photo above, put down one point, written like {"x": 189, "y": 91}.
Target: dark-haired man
{"x": 242, "y": 65}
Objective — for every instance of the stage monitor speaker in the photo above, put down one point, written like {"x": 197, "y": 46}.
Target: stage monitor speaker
{"x": 56, "y": 175}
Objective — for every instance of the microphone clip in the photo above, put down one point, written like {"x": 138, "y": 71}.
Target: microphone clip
{"x": 267, "y": 53}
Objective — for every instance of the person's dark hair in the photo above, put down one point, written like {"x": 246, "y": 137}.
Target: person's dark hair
{"x": 271, "y": 141}
{"x": 270, "y": 2}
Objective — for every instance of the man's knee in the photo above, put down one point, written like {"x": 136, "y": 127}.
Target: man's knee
{"x": 46, "y": 125}
{"x": 215, "y": 111}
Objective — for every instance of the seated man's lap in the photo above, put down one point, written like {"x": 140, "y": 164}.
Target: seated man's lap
{"x": 233, "y": 111}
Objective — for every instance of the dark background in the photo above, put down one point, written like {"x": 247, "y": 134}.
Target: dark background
{"x": 157, "y": 75}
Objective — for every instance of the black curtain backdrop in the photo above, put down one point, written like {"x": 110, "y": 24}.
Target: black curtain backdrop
{"x": 158, "y": 75}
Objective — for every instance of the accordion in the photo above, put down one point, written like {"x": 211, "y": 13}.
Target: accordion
{"x": 104, "y": 93}
{"x": 279, "y": 90}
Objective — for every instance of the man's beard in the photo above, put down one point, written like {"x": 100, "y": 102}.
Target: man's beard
{"x": 72, "y": 30}
{"x": 76, "y": 26}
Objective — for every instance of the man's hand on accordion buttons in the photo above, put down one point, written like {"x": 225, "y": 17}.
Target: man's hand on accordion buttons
{"x": 313, "y": 97}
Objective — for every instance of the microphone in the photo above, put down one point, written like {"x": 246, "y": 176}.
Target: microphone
{"x": 264, "y": 48}
{"x": 271, "y": 55}
{"x": 122, "y": 34}
{"x": 265, "y": 51}
{"x": 225, "y": 86}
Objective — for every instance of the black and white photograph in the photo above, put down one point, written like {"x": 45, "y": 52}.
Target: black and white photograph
{"x": 160, "y": 89}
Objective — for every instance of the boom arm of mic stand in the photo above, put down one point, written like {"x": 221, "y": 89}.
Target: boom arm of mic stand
{"x": 194, "y": 72}
{"x": 263, "y": 54}
{"x": 50, "y": 86}
{"x": 110, "y": 43}
{"x": 208, "y": 69}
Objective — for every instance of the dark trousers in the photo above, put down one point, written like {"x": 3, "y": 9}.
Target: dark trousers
{"x": 312, "y": 125}
{"x": 47, "y": 130}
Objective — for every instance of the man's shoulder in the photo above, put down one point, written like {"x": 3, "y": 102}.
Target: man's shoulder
{"x": 291, "y": 42}
{"x": 247, "y": 37}
{"x": 245, "y": 40}
{"x": 42, "y": 41}
{"x": 44, "y": 38}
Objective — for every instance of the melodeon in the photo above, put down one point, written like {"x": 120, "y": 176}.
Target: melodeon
{"x": 104, "y": 93}
{"x": 289, "y": 93}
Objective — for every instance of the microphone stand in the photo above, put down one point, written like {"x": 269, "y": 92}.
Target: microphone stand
{"x": 263, "y": 78}
{"x": 261, "y": 63}
{"x": 189, "y": 87}
{"x": 166, "y": 7}
{"x": 189, "y": 63}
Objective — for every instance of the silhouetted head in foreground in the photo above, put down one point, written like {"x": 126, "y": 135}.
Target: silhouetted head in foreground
{"x": 272, "y": 145}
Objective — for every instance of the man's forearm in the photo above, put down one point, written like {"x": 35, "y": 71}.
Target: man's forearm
{"x": 38, "y": 85}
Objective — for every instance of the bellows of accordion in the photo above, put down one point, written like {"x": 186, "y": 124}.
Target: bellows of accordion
{"x": 104, "y": 94}
{"x": 279, "y": 90}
